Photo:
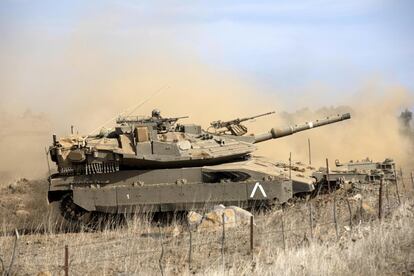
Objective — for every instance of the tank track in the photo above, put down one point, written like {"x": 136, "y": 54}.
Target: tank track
{"x": 80, "y": 218}
{"x": 75, "y": 214}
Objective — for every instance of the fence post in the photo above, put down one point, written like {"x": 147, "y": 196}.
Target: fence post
{"x": 66, "y": 260}
{"x": 387, "y": 195}
{"x": 380, "y": 200}
{"x": 190, "y": 249}
{"x": 283, "y": 230}
{"x": 13, "y": 253}
{"x": 334, "y": 198}
{"x": 310, "y": 219}
{"x": 2, "y": 266}
{"x": 327, "y": 176}
{"x": 162, "y": 252}
{"x": 251, "y": 235}
{"x": 396, "y": 186}
{"x": 402, "y": 180}
{"x": 222, "y": 242}
{"x": 350, "y": 213}
{"x": 334, "y": 216}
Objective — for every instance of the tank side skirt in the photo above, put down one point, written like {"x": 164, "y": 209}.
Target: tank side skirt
{"x": 179, "y": 197}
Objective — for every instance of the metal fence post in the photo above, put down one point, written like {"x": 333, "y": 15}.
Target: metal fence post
{"x": 222, "y": 242}
{"x": 283, "y": 230}
{"x": 251, "y": 235}
{"x": 310, "y": 219}
{"x": 13, "y": 253}
{"x": 334, "y": 216}
{"x": 162, "y": 251}
{"x": 334, "y": 198}
{"x": 396, "y": 186}
{"x": 327, "y": 176}
{"x": 387, "y": 197}
{"x": 402, "y": 180}
{"x": 380, "y": 200}
{"x": 190, "y": 249}
{"x": 350, "y": 213}
{"x": 66, "y": 260}
{"x": 2, "y": 268}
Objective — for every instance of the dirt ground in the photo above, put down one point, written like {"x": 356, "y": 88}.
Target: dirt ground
{"x": 301, "y": 238}
{"x": 23, "y": 205}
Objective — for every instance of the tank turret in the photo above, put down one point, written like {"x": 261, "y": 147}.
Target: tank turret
{"x": 154, "y": 142}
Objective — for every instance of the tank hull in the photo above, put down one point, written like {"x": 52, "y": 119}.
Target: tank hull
{"x": 164, "y": 190}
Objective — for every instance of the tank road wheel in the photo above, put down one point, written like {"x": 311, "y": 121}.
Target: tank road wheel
{"x": 80, "y": 218}
{"x": 260, "y": 205}
{"x": 274, "y": 204}
{"x": 75, "y": 214}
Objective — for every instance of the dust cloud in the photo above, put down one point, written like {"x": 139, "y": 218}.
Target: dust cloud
{"x": 22, "y": 140}
{"x": 194, "y": 90}
{"x": 374, "y": 130}
{"x": 85, "y": 86}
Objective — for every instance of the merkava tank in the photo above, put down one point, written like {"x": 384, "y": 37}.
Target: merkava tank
{"x": 363, "y": 172}
{"x": 153, "y": 164}
{"x": 374, "y": 171}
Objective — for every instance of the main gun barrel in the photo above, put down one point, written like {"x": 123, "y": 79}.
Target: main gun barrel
{"x": 275, "y": 133}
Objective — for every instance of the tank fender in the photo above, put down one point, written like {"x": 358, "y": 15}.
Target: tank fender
{"x": 84, "y": 198}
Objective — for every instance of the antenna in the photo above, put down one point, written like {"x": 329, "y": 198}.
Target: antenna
{"x": 134, "y": 108}
{"x": 149, "y": 98}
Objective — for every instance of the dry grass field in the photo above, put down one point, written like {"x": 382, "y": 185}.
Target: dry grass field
{"x": 283, "y": 240}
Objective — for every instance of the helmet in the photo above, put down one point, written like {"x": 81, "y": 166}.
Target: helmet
{"x": 156, "y": 113}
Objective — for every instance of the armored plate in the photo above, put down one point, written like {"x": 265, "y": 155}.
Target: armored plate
{"x": 243, "y": 184}
{"x": 142, "y": 145}
{"x": 301, "y": 175}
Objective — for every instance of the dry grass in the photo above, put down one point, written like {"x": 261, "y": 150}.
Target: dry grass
{"x": 372, "y": 248}
{"x": 23, "y": 205}
{"x": 377, "y": 248}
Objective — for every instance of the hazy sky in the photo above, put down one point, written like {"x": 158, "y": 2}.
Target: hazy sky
{"x": 278, "y": 45}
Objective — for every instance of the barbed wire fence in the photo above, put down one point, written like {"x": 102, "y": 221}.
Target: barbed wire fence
{"x": 224, "y": 244}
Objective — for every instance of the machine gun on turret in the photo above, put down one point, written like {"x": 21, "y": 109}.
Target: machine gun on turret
{"x": 234, "y": 127}
{"x": 162, "y": 124}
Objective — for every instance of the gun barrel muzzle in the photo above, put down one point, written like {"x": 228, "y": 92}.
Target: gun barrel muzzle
{"x": 275, "y": 133}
